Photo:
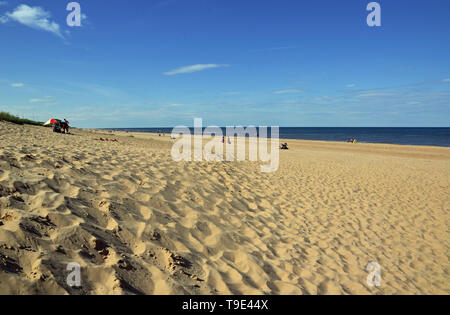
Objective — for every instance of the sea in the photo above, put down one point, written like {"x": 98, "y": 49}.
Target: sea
{"x": 402, "y": 135}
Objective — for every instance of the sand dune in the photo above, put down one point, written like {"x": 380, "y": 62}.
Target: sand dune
{"x": 139, "y": 223}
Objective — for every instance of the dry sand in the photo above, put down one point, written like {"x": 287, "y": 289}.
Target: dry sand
{"x": 137, "y": 222}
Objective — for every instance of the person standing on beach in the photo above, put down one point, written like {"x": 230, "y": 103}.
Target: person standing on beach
{"x": 65, "y": 126}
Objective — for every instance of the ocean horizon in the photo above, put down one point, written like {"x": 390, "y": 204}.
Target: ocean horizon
{"x": 428, "y": 136}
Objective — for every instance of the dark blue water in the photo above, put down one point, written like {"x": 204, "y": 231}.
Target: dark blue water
{"x": 410, "y": 136}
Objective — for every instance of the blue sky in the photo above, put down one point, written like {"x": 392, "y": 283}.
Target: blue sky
{"x": 160, "y": 63}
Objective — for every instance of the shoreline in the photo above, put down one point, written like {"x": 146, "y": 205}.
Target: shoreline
{"x": 282, "y": 140}
{"x": 288, "y": 139}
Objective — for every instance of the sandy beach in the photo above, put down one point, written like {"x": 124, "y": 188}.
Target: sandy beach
{"x": 139, "y": 223}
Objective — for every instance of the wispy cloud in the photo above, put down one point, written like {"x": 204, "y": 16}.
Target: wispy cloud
{"x": 34, "y": 17}
{"x": 84, "y": 20}
{"x": 273, "y": 48}
{"x": 230, "y": 93}
{"x": 37, "y": 100}
{"x": 101, "y": 90}
{"x": 194, "y": 68}
{"x": 291, "y": 91}
{"x": 40, "y": 100}
{"x": 17, "y": 85}
{"x": 376, "y": 93}
{"x": 351, "y": 85}
{"x": 3, "y": 3}
{"x": 446, "y": 80}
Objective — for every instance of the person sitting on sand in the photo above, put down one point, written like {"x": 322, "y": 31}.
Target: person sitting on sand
{"x": 284, "y": 146}
{"x": 57, "y": 127}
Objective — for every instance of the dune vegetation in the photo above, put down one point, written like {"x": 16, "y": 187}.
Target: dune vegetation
{"x": 4, "y": 116}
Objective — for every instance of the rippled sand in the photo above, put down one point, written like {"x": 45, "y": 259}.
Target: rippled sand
{"x": 137, "y": 222}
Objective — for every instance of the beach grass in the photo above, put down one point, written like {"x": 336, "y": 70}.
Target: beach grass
{"x": 4, "y": 116}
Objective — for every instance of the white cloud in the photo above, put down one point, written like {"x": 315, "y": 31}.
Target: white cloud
{"x": 193, "y": 68}
{"x": 287, "y": 91}
{"x": 446, "y": 80}
{"x": 351, "y": 85}
{"x": 17, "y": 84}
{"x": 34, "y": 17}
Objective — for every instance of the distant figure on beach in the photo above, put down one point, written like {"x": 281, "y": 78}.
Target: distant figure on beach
{"x": 65, "y": 126}
{"x": 284, "y": 146}
{"x": 351, "y": 140}
{"x": 229, "y": 141}
{"x": 223, "y": 139}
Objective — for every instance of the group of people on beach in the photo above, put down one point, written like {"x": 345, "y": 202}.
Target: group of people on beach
{"x": 62, "y": 127}
{"x": 284, "y": 146}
